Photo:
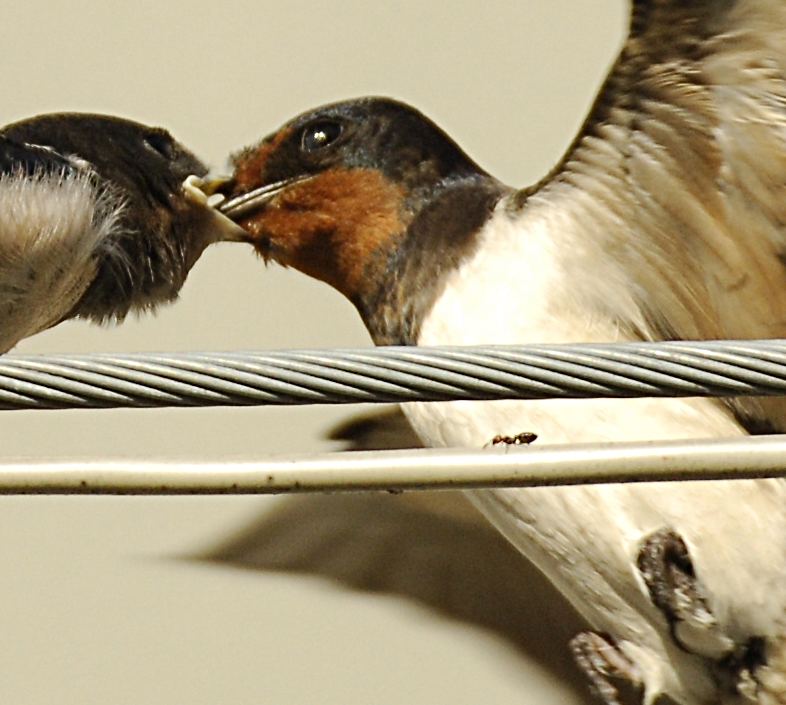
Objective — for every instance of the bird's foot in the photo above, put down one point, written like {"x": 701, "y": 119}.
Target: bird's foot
{"x": 745, "y": 672}
{"x": 602, "y": 662}
{"x": 520, "y": 439}
{"x": 667, "y": 569}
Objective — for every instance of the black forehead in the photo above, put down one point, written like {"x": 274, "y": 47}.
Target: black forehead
{"x": 359, "y": 109}
{"x": 398, "y": 123}
{"x": 379, "y": 133}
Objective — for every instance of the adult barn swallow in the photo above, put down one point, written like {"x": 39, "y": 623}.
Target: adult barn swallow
{"x": 98, "y": 217}
{"x": 666, "y": 219}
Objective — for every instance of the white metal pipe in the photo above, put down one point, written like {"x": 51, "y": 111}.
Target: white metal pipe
{"x": 522, "y": 466}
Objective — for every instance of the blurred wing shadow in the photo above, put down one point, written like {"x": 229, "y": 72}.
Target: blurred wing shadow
{"x": 431, "y": 547}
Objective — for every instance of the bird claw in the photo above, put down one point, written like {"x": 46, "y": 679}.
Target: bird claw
{"x": 739, "y": 671}
{"x": 602, "y": 661}
{"x": 667, "y": 570}
{"x": 520, "y": 439}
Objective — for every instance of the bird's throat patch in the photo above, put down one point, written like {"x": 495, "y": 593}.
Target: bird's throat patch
{"x": 333, "y": 225}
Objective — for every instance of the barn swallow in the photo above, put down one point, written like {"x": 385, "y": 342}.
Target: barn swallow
{"x": 99, "y": 216}
{"x": 664, "y": 220}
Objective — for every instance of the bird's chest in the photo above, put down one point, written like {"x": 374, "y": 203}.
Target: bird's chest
{"x": 519, "y": 287}
{"x": 513, "y": 289}
{"x": 585, "y": 538}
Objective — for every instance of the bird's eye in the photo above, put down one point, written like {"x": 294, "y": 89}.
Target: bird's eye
{"x": 160, "y": 142}
{"x": 320, "y": 134}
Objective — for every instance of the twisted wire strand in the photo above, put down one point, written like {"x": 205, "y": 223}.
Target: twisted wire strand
{"x": 393, "y": 374}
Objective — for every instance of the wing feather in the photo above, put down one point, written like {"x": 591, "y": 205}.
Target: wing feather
{"x": 678, "y": 176}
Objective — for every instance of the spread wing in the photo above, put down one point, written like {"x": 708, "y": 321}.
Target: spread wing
{"x": 676, "y": 185}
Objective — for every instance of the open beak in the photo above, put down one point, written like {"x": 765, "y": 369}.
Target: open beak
{"x": 206, "y": 193}
{"x": 239, "y": 206}
{"x": 213, "y": 185}
{"x": 202, "y": 191}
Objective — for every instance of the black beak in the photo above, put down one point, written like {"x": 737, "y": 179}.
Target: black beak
{"x": 239, "y": 206}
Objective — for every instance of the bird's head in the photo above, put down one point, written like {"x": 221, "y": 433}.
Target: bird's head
{"x": 152, "y": 183}
{"x": 343, "y": 191}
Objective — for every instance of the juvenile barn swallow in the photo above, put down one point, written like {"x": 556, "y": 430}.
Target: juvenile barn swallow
{"x": 99, "y": 216}
{"x": 666, "y": 219}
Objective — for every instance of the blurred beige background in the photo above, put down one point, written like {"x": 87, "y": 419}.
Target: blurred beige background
{"x": 96, "y": 604}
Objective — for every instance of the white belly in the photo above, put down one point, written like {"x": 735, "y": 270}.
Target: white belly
{"x": 586, "y": 539}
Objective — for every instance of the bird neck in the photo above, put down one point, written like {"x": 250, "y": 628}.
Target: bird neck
{"x": 406, "y": 278}
{"x": 144, "y": 264}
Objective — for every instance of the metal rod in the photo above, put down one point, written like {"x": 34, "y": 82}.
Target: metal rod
{"x": 407, "y": 470}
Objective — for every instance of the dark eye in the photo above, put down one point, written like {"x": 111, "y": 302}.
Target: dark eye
{"x": 160, "y": 142}
{"x": 320, "y": 134}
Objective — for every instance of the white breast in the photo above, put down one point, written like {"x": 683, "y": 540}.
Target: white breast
{"x": 524, "y": 285}
{"x": 585, "y": 539}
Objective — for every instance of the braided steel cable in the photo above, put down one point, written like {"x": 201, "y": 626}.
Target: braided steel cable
{"x": 393, "y": 374}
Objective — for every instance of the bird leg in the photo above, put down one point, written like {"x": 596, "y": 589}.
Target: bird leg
{"x": 520, "y": 439}
{"x": 667, "y": 569}
{"x": 601, "y": 661}
{"x": 740, "y": 671}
